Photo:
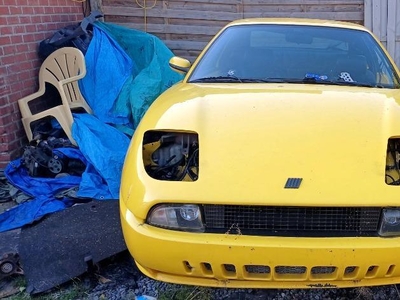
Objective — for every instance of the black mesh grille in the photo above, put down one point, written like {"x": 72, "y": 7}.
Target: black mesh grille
{"x": 257, "y": 269}
{"x": 301, "y": 221}
{"x": 290, "y": 270}
{"x": 323, "y": 270}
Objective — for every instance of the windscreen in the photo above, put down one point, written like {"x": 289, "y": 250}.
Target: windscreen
{"x": 292, "y": 53}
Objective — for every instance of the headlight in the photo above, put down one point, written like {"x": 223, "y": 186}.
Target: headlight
{"x": 390, "y": 222}
{"x": 184, "y": 217}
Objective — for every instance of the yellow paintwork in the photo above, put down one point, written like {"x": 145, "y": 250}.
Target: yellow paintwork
{"x": 252, "y": 138}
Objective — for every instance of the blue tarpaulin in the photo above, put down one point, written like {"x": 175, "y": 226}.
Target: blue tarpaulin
{"x": 104, "y": 147}
{"x": 154, "y": 75}
{"x": 126, "y": 71}
{"x": 42, "y": 189}
{"x": 108, "y": 67}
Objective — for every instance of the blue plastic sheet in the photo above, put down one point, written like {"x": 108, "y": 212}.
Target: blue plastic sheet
{"x": 42, "y": 189}
{"x": 104, "y": 147}
{"x": 107, "y": 68}
{"x": 151, "y": 56}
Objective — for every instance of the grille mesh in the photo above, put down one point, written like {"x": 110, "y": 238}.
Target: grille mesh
{"x": 308, "y": 221}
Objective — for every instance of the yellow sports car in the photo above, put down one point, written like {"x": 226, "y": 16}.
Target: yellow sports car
{"x": 274, "y": 163}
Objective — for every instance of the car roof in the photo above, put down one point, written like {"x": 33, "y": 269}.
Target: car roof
{"x": 299, "y": 21}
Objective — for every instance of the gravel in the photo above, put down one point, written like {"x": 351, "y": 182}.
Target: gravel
{"x": 117, "y": 278}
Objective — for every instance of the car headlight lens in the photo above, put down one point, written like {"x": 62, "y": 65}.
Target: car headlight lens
{"x": 183, "y": 217}
{"x": 390, "y": 222}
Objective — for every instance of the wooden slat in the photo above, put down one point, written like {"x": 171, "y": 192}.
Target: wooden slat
{"x": 376, "y": 12}
{"x": 177, "y": 29}
{"x": 185, "y": 45}
{"x": 343, "y": 16}
{"x": 368, "y": 14}
{"x": 169, "y": 13}
{"x": 228, "y": 16}
{"x": 391, "y": 26}
{"x": 302, "y": 2}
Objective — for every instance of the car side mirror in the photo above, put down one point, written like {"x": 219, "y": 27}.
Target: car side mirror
{"x": 179, "y": 64}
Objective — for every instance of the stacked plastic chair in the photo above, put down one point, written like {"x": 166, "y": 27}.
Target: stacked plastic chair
{"x": 62, "y": 69}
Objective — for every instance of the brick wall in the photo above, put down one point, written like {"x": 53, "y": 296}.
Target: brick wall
{"x": 23, "y": 24}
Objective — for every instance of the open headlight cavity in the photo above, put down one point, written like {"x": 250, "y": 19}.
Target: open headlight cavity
{"x": 390, "y": 222}
{"x": 183, "y": 217}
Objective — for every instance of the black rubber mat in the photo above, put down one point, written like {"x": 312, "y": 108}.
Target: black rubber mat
{"x": 63, "y": 245}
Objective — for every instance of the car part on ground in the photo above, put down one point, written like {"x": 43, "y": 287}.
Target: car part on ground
{"x": 9, "y": 265}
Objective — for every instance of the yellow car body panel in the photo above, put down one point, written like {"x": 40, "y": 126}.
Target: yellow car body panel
{"x": 252, "y": 138}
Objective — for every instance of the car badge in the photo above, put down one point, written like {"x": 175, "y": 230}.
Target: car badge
{"x": 293, "y": 183}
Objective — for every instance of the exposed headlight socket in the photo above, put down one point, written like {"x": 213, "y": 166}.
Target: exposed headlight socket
{"x": 171, "y": 155}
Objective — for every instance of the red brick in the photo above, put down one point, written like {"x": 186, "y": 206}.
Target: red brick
{"x": 5, "y": 31}
{"x": 49, "y": 10}
{"x": 6, "y": 119}
{"x": 22, "y": 48}
{"x": 5, "y": 40}
{"x": 39, "y": 10}
{"x": 4, "y": 11}
{"x": 9, "y": 49}
{"x": 24, "y": 19}
{"x": 16, "y": 39}
{"x": 39, "y": 36}
{"x": 53, "y": 26}
{"x": 5, "y": 110}
{"x": 27, "y": 10}
{"x": 36, "y": 19}
{"x": 32, "y": 55}
{"x": 8, "y": 60}
{"x": 12, "y": 20}
{"x": 41, "y": 27}
{"x": 20, "y": 57}
{"x": 4, "y": 91}
{"x": 30, "y": 28}
{"x": 29, "y": 38}
{"x": 15, "y": 10}
{"x": 23, "y": 76}
{"x": 17, "y": 29}
{"x": 13, "y": 69}
{"x": 10, "y": 2}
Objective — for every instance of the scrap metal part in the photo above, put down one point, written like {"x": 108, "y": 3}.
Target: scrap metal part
{"x": 9, "y": 265}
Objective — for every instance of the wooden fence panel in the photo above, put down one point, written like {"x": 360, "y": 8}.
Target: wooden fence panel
{"x": 187, "y": 26}
{"x": 383, "y": 18}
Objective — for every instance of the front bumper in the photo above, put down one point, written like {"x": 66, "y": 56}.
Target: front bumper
{"x": 238, "y": 261}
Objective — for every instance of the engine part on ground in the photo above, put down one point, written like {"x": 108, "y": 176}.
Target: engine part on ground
{"x": 5, "y": 188}
{"x": 43, "y": 160}
{"x": 9, "y": 265}
{"x": 172, "y": 156}
{"x": 57, "y": 163}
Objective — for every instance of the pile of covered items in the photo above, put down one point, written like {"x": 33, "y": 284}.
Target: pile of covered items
{"x": 126, "y": 71}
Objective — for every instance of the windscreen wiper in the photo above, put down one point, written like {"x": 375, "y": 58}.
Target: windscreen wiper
{"x": 319, "y": 80}
{"x": 216, "y": 79}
